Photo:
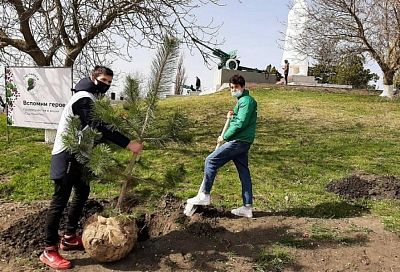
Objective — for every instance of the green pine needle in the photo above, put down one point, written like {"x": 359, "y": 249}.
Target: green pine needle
{"x": 101, "y": 159}
{"x": 162, "y": 72}
{"x": 80, "y": 141}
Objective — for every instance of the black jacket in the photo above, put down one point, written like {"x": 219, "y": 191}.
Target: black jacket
{"x": 61, "y": 163}
{"x": 83, "y": 108}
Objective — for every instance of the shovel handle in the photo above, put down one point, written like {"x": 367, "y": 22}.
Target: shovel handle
{"x": 224, "y": 129}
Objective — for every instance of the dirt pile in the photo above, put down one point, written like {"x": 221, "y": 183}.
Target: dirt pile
{"x": 167, "y": 218}
{"x": 366, "y": 186}
{"x": 25, "y": 237}
{"x": 171, "y": 218}
{"x": 205, "y": 221}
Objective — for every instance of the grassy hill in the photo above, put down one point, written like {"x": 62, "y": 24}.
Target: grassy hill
{"x": 305, "y": 139}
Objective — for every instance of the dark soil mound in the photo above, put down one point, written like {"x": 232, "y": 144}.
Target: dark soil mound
{"x": 167, "y": 218}
{"x": 366, "y": 186}
{"x": 25, "y": 238}
{"x": 170, "y": 218}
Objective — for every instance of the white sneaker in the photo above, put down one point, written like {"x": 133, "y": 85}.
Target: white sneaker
{"x": 200, "y": 199}
{"x": 243, "y": 211}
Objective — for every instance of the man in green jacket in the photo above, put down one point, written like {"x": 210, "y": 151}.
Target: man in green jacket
{"x": 238, "y": 138}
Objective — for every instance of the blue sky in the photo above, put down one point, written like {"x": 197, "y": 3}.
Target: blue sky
{"x": 252, "y": 27}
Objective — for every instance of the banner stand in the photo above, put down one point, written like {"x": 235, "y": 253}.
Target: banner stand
{"x": 36, "y": 97}
{"x": 8, "y": 134}
{"x": 50, "y": 136}
{"x": 5, "y": 89}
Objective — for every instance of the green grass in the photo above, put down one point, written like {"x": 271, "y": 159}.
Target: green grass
{"x": 305, "y": 139}
{"x": 320, "y": 232}
{"x": 274, "y": 260}
{"x": 321, "y": 235}
{"x": 24, "y": 164}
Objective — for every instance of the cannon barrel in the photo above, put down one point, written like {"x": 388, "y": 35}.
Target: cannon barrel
{"x": 227, "y": 60}
{"x": 216, "y": 52}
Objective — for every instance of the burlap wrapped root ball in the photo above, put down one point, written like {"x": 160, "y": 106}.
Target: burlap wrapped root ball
{"x": 109, "y": 239}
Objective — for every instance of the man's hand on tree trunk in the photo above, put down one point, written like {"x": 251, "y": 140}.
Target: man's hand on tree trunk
{"x": 135, "y": 147}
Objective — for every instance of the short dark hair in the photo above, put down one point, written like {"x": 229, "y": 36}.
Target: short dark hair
{"x": 237, "y": 79}
{"x": 101, "y": 70}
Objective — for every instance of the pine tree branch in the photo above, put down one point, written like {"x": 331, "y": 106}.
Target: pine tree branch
{"x": 163, "y": 68}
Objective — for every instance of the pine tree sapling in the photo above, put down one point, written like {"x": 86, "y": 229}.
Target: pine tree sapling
{"x": 162, "y": 70}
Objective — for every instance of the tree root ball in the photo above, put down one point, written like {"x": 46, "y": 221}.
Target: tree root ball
{"x": 109, "y": 239}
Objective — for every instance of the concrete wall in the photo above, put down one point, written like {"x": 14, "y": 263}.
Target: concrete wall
{"x": 302, "y": 79}
{"x": 222, "y": 76}
{"x": 310, "y": 81}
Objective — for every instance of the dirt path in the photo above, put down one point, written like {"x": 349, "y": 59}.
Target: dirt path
{"x": 215, "y": 241}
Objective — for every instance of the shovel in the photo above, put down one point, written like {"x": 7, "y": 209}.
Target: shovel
{"x": 190, "y": 209}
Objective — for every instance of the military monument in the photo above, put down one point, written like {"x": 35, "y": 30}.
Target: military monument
{"x": 229, "y": 65}
{"x": 297, "y": 19}
{"x": 298, "y": 61}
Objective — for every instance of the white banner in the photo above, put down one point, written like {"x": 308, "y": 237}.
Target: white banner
{"x": 36, "y": 96}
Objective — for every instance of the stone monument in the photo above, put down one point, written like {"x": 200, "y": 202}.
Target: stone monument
{"x": 298, "y": 62}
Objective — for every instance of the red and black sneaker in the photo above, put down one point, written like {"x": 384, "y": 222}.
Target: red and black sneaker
{"x": 52, "y": 258}
{"x": 71, "y": 242}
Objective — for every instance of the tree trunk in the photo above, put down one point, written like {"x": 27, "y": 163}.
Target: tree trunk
{"x": 388, "y": 91}
{"x": 126, "y": 182}
{"x": 39, "y": 58}
{"x": 72, "y": 55}
{"x": 388, "y": 77}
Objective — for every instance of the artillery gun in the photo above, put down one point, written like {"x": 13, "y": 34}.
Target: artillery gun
{"x": 229, "y": 60}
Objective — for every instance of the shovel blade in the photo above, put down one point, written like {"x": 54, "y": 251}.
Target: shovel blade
{"x": 190, "y": 209}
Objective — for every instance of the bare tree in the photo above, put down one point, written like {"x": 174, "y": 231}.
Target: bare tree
{"x": 81, "y": 33}
{"x": 369, "y": 27}
{"x": 180, "y": 77}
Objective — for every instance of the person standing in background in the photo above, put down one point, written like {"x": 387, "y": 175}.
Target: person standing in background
{"x": 286, "y": 71}
{"x": 198, "y": 84}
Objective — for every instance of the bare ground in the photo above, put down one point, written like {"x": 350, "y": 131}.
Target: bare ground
{"x": 213, "y": 240}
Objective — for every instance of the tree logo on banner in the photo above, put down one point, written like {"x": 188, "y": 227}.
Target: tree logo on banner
{"x": 12, "y": 95}
{"x": 31, "y": 80}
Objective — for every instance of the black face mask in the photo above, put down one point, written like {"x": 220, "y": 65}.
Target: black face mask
{"x": 102, "y": 87}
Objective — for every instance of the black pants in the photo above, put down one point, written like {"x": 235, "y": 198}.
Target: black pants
{"x": 286, "y": 76}
{"x": 62, "y": 191}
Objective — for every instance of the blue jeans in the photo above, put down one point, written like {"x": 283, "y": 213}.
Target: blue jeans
{"x": 238, "y": 152}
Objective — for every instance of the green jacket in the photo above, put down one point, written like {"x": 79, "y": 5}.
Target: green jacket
{"x": 243, "y": 124}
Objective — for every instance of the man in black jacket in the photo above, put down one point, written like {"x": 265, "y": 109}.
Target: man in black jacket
{"x": 66, "y": 172}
